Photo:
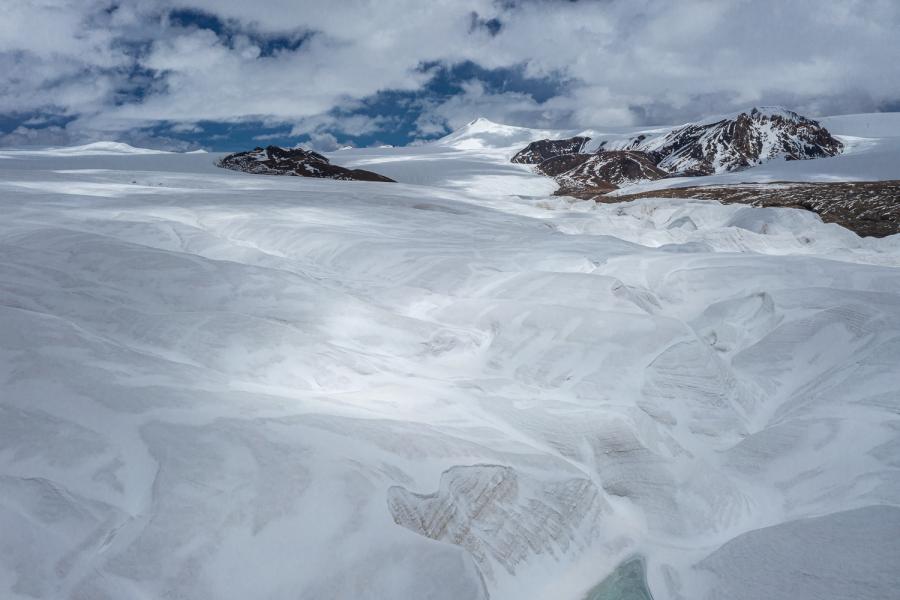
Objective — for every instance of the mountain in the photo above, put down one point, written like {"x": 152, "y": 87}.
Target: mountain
{"x": 578, "y": 174}
{"x": 722, "y": 144}
{"x": 104, "y": 148}
{"x": 274, "y": 160}
{"x": 740, "y": 141}
{"x": 728, "y": 143}
{"x": 481, "y": 134}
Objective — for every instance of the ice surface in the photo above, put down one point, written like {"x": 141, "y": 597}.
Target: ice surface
{"x": 850, "y": 554}
{"x": 627, "y": 582}
{"x": 217, "y": 385}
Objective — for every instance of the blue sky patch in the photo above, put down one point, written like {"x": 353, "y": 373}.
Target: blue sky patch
{"x": 396, "y": 111}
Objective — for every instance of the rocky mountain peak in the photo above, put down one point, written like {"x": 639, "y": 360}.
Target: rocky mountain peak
{"x": 725, "y": 143}
{"x": 743, "y": 140}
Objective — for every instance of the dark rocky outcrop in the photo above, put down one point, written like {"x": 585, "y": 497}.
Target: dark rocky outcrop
{"x": 274, "y": 160}
{"x": 541, "y": 150}
{"x": 580, "y": 174}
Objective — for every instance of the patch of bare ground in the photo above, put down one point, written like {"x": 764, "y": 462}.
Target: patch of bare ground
{"x": 868, "y": 208}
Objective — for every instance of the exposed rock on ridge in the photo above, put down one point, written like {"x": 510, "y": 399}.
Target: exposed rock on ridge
{"x": 578, "y": 174}
{"x": 868, "y": 208}
{"x": 541, "y": 150}
{"x": 745, "y": 140}
{"x": 727, "y": 144}
{"x": 274, "y": 160}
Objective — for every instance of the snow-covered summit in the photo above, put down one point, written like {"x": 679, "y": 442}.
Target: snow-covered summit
{"x": 755, "y": 112}
{"x": 104, "y": 148}
{"x": 746, "y": 139}
{"x": 484, "y": 133}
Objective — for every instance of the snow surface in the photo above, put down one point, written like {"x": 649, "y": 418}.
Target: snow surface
{"x": 219, "y": 385}
{"x": 92, "y": 149}
{"x": 849, "y": 554}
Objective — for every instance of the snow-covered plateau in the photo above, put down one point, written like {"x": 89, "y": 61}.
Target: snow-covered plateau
{"x": 216, "y": 385}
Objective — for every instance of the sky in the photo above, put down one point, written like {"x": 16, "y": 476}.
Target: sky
{"x": 233, "y": 74}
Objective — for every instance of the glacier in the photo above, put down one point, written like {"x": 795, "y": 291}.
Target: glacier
{"x": 218, "y": 385}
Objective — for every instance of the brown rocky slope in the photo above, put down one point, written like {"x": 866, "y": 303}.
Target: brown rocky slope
{"x": 868, "y": 208}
